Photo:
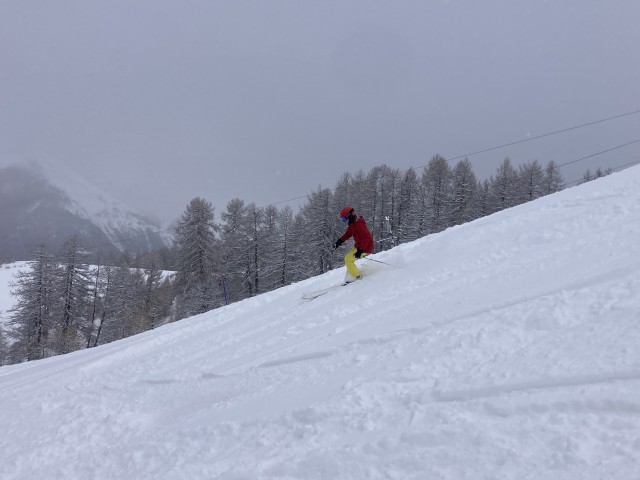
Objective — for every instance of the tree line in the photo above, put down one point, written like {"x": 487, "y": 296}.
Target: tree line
{"x": 65, "y": 305}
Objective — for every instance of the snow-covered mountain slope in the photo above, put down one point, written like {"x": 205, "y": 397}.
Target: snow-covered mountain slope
{"x": 47, "y": 205}
{"x": 114, "y": 218}
{"x": 505, "y": 349}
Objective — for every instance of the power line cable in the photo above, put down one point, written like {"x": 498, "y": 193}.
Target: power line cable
{"x": 537, "y": 137}
{"x": 95, "y": 247}
{"x": 529, "y": 139}
{"x": 619, "y": 167}
{"x": 600, "y": 153}
{"x": 556, "y": 132}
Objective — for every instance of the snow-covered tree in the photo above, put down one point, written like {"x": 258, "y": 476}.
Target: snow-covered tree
{"x": 345, "y": 193}
{"x": 463, "y": 196}
{"x": 504, "y": 186}
{"x": 586, "y": 177}
{"x": 123, "y": 302}
{"x": 195, "y": 247}
{"x": 436, "y": 180}
{"x": 270, "y": 249}
{"x": 286, "y": 260}
{"x": 235, "y": 252}
{"x": 31, "y": 320}
{"x": 532, "y": 181}
{"x": 4, "y": 347}
{"x": 151, "y": 308}
{"x": 104, "y": 313}
{"x": 603, "y": 173}
{"x": 255, "y": 247}
{"x": 589, "y": 175}
{"x": 382, "y": 200}
{"x": 95, "y": 303}
{"x": 318, "y": 230}
{"x": 406, "y": 226}
{"x": 553, "y": 179}
{"x": 71, "y": 289}
{"x": 484, "y": 204}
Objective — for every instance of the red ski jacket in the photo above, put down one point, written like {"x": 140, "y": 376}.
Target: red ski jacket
{"x": 361, "y": 235}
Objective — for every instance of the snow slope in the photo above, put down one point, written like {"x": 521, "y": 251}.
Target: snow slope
{"x": 502, "y": 349}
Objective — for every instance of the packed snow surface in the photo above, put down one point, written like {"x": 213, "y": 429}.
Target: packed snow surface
{"x": 507, "y": 348}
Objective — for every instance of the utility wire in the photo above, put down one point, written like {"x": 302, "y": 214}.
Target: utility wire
{"x": 556, "y": 132}
{"x": 529, "y": 139}
{"x": 619, "y": 167}
{"x": 600, "y": 153}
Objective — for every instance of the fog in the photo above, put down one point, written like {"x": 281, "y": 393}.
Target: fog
{"x": 159, "y": 101}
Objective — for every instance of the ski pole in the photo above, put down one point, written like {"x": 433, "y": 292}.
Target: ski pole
{"x": 384, "y": 263}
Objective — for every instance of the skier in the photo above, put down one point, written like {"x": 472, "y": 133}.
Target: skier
{"x": 363, "y": 242}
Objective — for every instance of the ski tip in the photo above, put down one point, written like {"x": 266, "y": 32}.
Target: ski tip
{"x": 348, "y": 282}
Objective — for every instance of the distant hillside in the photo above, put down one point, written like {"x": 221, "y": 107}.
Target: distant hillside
{"x": 37, "y": 211}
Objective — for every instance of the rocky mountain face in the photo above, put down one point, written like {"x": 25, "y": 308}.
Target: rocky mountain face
{"x": 35, "y": 211}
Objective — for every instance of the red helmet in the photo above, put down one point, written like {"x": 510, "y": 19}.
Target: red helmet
{"x": 344, "y": 213}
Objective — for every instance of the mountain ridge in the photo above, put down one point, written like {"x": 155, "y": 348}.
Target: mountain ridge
{"x": 39, "y": 208}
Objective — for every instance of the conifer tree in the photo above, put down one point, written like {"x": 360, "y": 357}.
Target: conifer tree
{"x": 504, "y": 186}
{"x": 254, "y": 238}
{"x": 104, "y": 284}
{"x": 484, "y": 204}
{"x": 71, "y": 289}
{"x": 235, "y": 250}
{"x": 531, "y": 180}
{"x": 195, "y": 246}
{"x": 285, "y": 245}
{"x": 151, "y": 301}
{"x": 119, "y": 303}
{"x": 344, "y": 193}
{"x": 31, "y": 320}
{"x": 586, "y": 177}
{"x": 406, "y": 227}
{"x": 464, "y": 185}
{"x": 136, "y": 321}
{"x": 359, "y": 196}
{"x": 95, "y": 300}
{"x": 302, "y": 265}
{"x": 373, "y": 198}
{"x": 436, "y": 180}
{"x": 318, "y": 232}
{"x": 553, "y": 180}
{"x": 4, "y": 347}
{"x": 382, "y": 205}
{"x": 270, "y": 252}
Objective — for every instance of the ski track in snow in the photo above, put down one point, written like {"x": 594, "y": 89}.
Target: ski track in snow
{"x": 506, "y": 348}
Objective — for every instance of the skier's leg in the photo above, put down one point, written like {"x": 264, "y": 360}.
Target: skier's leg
{"x": 350, "y": 262}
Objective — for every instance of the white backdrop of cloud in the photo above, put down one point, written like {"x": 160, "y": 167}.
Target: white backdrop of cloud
{"x": 157, "y": 101}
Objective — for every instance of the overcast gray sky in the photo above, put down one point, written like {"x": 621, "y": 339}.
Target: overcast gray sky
{"x": 159, "y": 101}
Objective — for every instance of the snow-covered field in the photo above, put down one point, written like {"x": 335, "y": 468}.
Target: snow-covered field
{"x": 507, "y": 348}
{"x": 7, "y": 302}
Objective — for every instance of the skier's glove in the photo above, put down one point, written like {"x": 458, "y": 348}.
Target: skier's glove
{"x": 358, "y": 253}
{"x": 337, "y": 244}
